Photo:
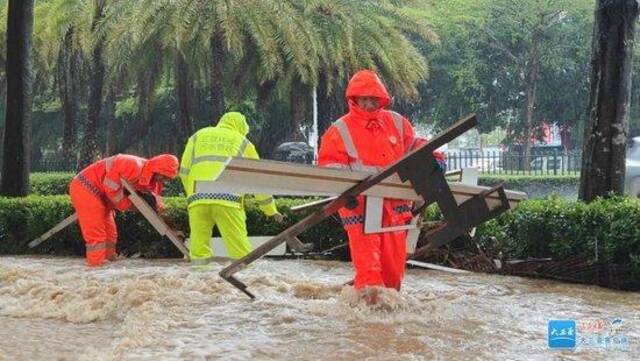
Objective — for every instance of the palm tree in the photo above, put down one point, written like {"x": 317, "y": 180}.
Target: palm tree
{"x": 58, "y": 35}
{"x": 89, "y": 150}
{"x": 270, "y": 50}
{"x": 144, "y": 43}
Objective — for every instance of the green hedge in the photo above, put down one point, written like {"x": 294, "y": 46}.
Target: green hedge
{"x": 524, "y": 181}
{"x": 50, "y": 183}
{"x": 560, "y": 229}
{"x": 23, "y": 219}
{"x": 537, "y": 228}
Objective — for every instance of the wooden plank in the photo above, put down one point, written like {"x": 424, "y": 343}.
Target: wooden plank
{"x": 312, "y": 204}
{"x": 153, "y": 218}
{"x": 436, "y": 267}
{"x": 57, "y": 228}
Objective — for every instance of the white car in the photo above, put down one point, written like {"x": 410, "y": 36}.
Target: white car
{"x": 632, "y": 172}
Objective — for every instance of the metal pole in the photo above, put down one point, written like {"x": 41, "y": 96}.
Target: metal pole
{"x": 313, "y": 139}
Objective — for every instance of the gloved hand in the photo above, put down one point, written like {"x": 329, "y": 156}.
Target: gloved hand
{"x": 441, "y": 165}
{"x": 278, "y": 217}
{"x": 179, "y": 234}
{"x": 352, "y": 203}
{"x": 150, "y": 199}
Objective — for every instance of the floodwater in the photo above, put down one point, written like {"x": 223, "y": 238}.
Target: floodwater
{"x": 133, "y": 309}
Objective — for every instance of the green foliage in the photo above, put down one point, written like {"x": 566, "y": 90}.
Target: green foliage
{"x": 480, "y": 63}
{"x": 50, "y": 183}
{"x": 281, "y": 42}
{"x": 559, "y": 228}
{"x": 126, "y": 106}
{"x": 24, "y": 219}
{"x": 525, "y": 181}
{"x": 537, "y": 228}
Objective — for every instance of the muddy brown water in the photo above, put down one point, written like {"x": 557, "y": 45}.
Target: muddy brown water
{"x": 58, "y": 309}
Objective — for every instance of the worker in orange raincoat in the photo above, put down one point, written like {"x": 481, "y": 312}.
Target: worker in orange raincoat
{"x": 369, "y": 138}
{"x": 97, "y": 191}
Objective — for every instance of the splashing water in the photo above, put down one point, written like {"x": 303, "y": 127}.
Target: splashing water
{"x": 148, "y": 309}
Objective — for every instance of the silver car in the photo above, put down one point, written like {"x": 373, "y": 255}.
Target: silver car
{"x": 632, "y": 176}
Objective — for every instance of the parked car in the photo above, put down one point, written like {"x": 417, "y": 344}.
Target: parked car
{"x": 546, "y": 162}
{"x": 632, "y": 172}
{"x": 295, "y": 152}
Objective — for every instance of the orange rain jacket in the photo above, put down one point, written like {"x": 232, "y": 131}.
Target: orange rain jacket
{"x": 97, "y": 190}
{"x": 369, "y": 141}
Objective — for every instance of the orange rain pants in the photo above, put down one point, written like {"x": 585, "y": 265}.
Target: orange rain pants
{"x": 97, "y": 224}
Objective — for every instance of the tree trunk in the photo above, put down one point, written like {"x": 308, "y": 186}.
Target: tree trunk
{"x": 330, "y": 105}
{"x": 90, "y": 151}
{"x": 110, "y": 109}
{"x": 184, "y": 91}
{"x": 3, "y": 100}
{"x": 17, "y": 133}
{"x": 299, "y": 99}
{"x": 217, "y": 72}
{"x": 603, "y": 160}
{"x": 267, "y": 138}
{"x": 146, "y": 96}
{"x": 68, "y": 87}
{"x": 533, "y": 68}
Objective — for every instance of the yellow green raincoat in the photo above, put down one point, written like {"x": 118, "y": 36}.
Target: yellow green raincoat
{"x": 203, "y": 159}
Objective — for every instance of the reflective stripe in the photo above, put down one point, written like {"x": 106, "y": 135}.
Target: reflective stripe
{"x": 413, "y": 143}
{"x": 358, "y": 166}
{"x": 111, "y": 184}
{"x": 352, "y": 220}
{"x": 214, "y": 158}
{"x": 108, "y": 163}
{"x": 193, "y": 148}
{"x": 117, "y": 197}
{"x": 96, "y": 247}
{"x": 214, "y": 196}
{"x": 350, "y": 147}
{"x": 208, "y": 158}
{"x": 88, "y": 185}
{"x": 265, "y": 202}
{"x": 336, "y": 165}
{"x": 346, "y": 138}
{"x": 402, "y": 208}
{"x": 184, "y": 171}
{"x": 397, "y": 119}
{"x": 243, "y": 147}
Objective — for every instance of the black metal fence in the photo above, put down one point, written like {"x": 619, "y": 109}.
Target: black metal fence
{"x": 52, "y": 165}
{"x": 492, "y": 162}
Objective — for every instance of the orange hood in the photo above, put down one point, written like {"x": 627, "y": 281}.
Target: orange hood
{"x": 165, "y": 164}
{"x": 366, "y": 83}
